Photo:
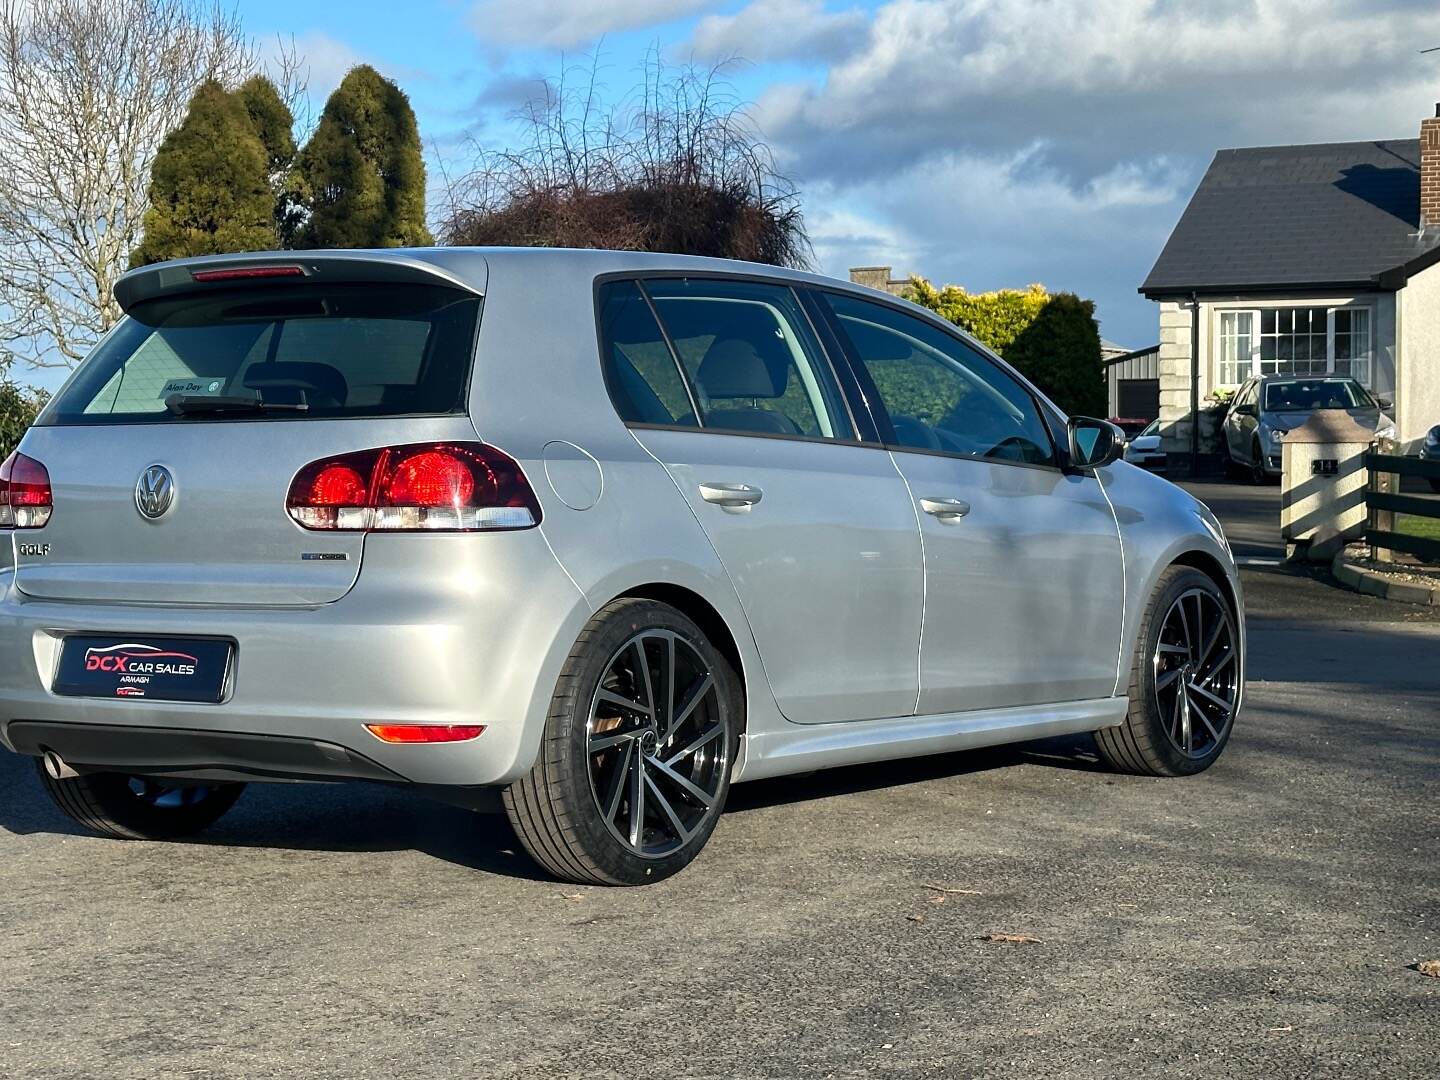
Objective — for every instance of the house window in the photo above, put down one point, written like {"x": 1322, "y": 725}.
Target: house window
{"x": 1294, "y": 341}
{"x": 1352, "y": 343}
{"x": 1237, "y": 336}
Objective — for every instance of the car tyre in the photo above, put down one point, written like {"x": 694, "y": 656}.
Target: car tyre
{"x": 1257, "y": 466}
{"x": 1185, "y": 681}
{"x": 645, "y": 720}
{"x": 1435, "y": 485}
{"x": 138, "y": 808}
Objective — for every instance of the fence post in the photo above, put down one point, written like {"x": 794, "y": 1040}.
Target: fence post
{"x": 1385, "y": 483}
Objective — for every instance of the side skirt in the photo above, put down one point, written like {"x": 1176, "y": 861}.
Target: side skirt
{"x": 802, "y": 748}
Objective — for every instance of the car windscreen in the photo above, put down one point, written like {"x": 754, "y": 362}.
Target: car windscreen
{"x": 1307, "y": 395}
{"x": 302, "y": 351}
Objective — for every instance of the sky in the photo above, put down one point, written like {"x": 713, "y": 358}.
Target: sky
{"x": 988, "y": 143}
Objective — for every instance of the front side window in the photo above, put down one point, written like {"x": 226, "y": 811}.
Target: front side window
{"x": 750, "y": 358}
{"x": 319, "y": 351}
{"x": 1293, "y": 341}
{"x": 939, "y": 393}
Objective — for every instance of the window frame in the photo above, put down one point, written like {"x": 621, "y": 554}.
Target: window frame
{"x": 827, "y": 356}
{"x": 1048, "y": 415}
{"x": 1256, "y": 312}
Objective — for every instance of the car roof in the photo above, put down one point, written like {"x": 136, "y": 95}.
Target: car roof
{"x": 1271, "y": 380}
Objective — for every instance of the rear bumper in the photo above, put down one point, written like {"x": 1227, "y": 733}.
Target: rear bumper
{"x": 443, "y": 629}
{"x": 193, "y": 754}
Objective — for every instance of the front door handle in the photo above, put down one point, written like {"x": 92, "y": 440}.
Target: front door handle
{"x": 948, "y": 511}
{"x": 731, "y": 496}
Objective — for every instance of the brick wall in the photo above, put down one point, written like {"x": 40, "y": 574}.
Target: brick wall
{"x": 1430, "y": 171}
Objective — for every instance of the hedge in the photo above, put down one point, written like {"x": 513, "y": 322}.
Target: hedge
{"x": 1053, "y": 339}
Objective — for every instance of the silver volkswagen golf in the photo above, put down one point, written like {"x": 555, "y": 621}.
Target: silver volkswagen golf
{"x": 598, "y": 533}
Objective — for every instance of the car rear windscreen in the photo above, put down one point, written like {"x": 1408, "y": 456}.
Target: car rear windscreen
{"x": 337, "y": 350}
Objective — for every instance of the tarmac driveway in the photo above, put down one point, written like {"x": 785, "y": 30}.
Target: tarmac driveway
{"x": 1257, "y": 921}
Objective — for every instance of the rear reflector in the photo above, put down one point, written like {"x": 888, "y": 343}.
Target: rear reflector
{"x": 445, "y": 487}
{"x": 425, "y": 733}
{"x": 243, "y": 273}
{"x": 25, "y": 500}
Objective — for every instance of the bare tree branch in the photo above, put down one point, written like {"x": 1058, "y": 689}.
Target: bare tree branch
{"x": 676, "y": 166}
{"x": 88, "y": 89}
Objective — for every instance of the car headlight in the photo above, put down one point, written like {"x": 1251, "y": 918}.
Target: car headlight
{"x": 1432, "y": 438}
{"x": 1275, "y": 435}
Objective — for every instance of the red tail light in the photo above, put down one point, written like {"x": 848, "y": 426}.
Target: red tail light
{"x": 448, "y": 487}
{"x": 25, "y": 500}
{"x": 425, "y": 733}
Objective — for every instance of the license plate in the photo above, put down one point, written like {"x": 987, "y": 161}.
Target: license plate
{"x": 157, "y": 669}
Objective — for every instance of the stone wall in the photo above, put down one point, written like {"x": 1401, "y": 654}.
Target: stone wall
{"x": 1175, "y": 323}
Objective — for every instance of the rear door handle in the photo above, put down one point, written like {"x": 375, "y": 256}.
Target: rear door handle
{"x": 731, "y": 496}
{"x": 948, "y": 511}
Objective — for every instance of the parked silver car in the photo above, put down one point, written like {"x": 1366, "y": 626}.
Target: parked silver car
{"x": 601, "y": 532}
{"x": 1265, "y": 409}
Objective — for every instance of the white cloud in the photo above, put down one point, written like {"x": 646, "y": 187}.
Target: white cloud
{"x": 566, "y": 24}
{"x": 997, "y": 142}
{"x": 781, "y": 30}
{"x": 1107, "y": 80}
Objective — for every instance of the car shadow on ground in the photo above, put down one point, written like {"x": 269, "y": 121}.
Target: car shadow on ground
{"x": 363, "y": 817}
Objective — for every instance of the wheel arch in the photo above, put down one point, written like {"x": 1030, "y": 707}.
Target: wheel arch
{"x": 1212, "y": 568}
{"x": 702, "y": 613}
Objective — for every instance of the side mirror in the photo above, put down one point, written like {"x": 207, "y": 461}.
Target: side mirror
{"x": 1244, "y": 410}
{"x": 1385, "y": 401}
{"x": 1094, "y": 443}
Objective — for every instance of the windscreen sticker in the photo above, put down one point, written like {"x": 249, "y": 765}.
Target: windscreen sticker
{"x": 192, "y": 387}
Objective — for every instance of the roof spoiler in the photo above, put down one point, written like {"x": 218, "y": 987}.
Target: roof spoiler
{"x": 282, "y": 268}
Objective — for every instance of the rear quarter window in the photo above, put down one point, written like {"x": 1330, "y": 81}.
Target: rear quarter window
{"x": 344, "y": 350}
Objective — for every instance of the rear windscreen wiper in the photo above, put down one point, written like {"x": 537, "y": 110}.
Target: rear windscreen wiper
{"x": 209, "y": 404}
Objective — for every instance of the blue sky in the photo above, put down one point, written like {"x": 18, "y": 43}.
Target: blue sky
{"x": 982, "y": 142}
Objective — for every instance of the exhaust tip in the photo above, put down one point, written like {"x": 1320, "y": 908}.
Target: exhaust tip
{"x": 56, "y": 768}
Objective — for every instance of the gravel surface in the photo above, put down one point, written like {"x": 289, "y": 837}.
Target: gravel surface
{"x": 1258, "y": 921}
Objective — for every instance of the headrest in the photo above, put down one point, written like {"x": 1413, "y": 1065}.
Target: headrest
{"x": 733, "y": 369}
{"x": 319, "y": 380}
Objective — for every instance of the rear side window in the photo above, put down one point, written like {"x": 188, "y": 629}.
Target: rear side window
{"x": 644, "y": 382}
{"x": 748, "y": 352}
{"x": 341, "y": 350}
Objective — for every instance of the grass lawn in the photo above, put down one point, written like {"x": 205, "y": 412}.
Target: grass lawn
{"x": 1418, "y": 526}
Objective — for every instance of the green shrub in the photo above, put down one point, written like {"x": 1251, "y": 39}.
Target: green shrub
{"x": 1052, "y": 339}
{"x": 19, "y": 406}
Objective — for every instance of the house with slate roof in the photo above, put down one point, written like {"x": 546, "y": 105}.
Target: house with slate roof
{"x": 1306, "y": 260}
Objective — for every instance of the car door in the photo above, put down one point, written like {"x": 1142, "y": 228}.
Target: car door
{"x": 1237, "y": 434}
{"x": 1024, "y": 591}
{"x": 739, "y": 402}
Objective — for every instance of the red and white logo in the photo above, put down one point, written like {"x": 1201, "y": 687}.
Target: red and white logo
{"x": 140, "y": 660}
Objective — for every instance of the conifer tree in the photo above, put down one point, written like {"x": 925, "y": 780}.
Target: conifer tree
{"x": 363, "y": 170}
{"x": 209, "y": 185}
{"x": 275, "y": 124}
